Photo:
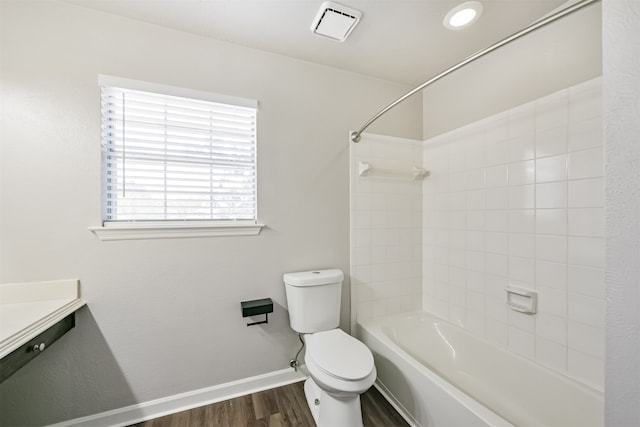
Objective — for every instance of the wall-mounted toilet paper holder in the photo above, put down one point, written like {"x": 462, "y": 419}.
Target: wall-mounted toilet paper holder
{"x": 256, "y": 307}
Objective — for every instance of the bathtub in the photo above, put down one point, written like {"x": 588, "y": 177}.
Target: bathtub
{"x": 438, "y": 374}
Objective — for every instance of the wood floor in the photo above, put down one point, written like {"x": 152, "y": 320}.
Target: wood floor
{"x": 279, "y": 407}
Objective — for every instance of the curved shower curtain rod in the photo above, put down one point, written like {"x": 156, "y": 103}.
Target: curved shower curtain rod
{"x": 355, "y": 135}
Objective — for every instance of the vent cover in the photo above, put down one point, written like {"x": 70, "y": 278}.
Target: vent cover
{"x": 335, "y": 21}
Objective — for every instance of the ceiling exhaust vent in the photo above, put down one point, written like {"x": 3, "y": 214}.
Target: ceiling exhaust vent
{"x": 335, "y": 21}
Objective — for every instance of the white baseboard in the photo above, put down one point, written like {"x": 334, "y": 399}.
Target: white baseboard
{"x": 185, "y": 401}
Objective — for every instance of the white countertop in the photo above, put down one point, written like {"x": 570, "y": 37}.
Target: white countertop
{"x": 28, "y": 309}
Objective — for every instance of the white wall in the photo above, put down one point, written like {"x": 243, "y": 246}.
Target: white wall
{"x": 552, "y": 58}
{"x": 518, "y": 199}
{"x": 621, "y": 107}
{"x": 163, "y": 316}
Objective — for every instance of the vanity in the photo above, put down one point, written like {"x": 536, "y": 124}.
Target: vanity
{"x": 32, "y": 317}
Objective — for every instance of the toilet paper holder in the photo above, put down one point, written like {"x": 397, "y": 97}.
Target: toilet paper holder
{"x": 257, "y": 307}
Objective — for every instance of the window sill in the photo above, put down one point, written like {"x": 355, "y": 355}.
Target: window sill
{"x": 174, "y": 230}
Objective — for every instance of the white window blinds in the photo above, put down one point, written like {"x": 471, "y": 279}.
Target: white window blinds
{"x": 168, "y": 157}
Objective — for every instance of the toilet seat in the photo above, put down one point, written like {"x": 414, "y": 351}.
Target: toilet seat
{"x": 339, "y": 355}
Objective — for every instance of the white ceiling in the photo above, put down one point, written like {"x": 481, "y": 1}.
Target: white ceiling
{"x": 396, "y": 40}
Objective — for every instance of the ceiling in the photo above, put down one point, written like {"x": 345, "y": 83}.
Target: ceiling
{"x": 397, "y": 40}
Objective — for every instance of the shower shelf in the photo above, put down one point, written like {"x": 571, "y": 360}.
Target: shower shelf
{"x": 416, "y": 174}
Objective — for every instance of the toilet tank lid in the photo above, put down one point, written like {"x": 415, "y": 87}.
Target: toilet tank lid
{"x": 313, "y": 278}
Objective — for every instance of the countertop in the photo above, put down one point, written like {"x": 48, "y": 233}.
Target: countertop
{"x": 28, "y": 309}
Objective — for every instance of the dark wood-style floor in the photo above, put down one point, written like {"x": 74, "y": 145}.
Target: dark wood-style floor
{"x": 279, "y": 407}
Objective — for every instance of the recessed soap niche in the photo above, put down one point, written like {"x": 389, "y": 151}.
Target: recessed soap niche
{"x": 522, "y": 300}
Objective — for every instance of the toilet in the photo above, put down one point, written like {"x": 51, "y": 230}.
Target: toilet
{"x": 340, "y": 367}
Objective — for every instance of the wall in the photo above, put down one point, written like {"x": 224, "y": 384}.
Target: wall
{"x": 552, "y": 58}
{"x": 386, "y": 223}
{"x": 163, "y": 316}
{"x": 517, "y": 199}
{"x": 621, "y": 107}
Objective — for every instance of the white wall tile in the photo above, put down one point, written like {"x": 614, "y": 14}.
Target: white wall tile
{"x": 586, "y": 163}
{"x": 522, "y": 221}
{"x": 457, "y": 276}
{"x": 550, "y": 142}
{"x": 522, "y": 342}
{"x": 551, "y": 248}
{"x": 496, "y": 264}
{"x": 475, "y": 179}
{"x": 497, "y": 153}
{"x": 552, "y": 301}
{"x": 475, "y": 263}
{"x": 586, "y": 309}
{"x": 586, "y": 193}
{"x": 475, "y": 220}
{"x": 551, "y": 274}
{"x": 458, "y": 200}
{"x": 522, "y": 321}
{"x": 458, "y": 220}
{"x": 586, "y": 134}
{"x": 521, "y": 148}
{"x": 495, "y": 309}
{"x": 497, "y": 220}
{"x": 551, "y": 221}
{"x": 551, "y": 327}
{"x": 474, "y": 157}
{"x": 521, "y": 173}
{"x": 522, "y": 245}
{"x": 497, "y": 243}
{"x": 476, "y": 200}
{"x": 586, "y": 338}
{"x": 522, "y": 197}
{"x": 587, "y": 222}
{"x": 551, "y": 195}
{"x": 521, "y": 270}
{"x": 586, "y": 251}
{"x": 475, "y": 240}
{"x": 497, "y": 198}
{"x": 517, "y": 200}
{"x": 586, "y": 281}
{"x": 552, "y": 168}
{"x": 475, "y": 303}
{"x": 497, "y": 176}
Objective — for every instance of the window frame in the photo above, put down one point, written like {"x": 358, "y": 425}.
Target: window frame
{"x": 160, "y": 229}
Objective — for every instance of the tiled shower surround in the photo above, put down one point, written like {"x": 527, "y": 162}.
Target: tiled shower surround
{"x": 386, "y": 227}
{"x": 514, "y": 199}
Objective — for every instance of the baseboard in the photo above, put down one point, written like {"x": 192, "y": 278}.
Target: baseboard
{"x": 185, "y": 401}
{"x": 384, "y": 391}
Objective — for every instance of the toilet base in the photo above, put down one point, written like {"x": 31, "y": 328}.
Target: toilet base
{"x": 331, "y": 411}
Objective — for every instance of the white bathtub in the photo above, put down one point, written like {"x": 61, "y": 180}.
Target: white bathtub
{"x": 441, "y": 375}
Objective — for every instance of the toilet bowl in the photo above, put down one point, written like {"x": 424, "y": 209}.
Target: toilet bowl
{"x": 339, "y": 363}
{"x": 340, "y": 367}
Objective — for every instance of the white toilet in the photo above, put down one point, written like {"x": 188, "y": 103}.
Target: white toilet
{"x": 341, "y": 367}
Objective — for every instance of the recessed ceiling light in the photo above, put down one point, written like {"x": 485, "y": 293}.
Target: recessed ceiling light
{"x": 463, "y": 15}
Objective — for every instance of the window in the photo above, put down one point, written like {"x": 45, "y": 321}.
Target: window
{"x": 175, "y": 158}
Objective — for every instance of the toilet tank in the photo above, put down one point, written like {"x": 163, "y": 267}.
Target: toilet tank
{"x": 314, "y": 298}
